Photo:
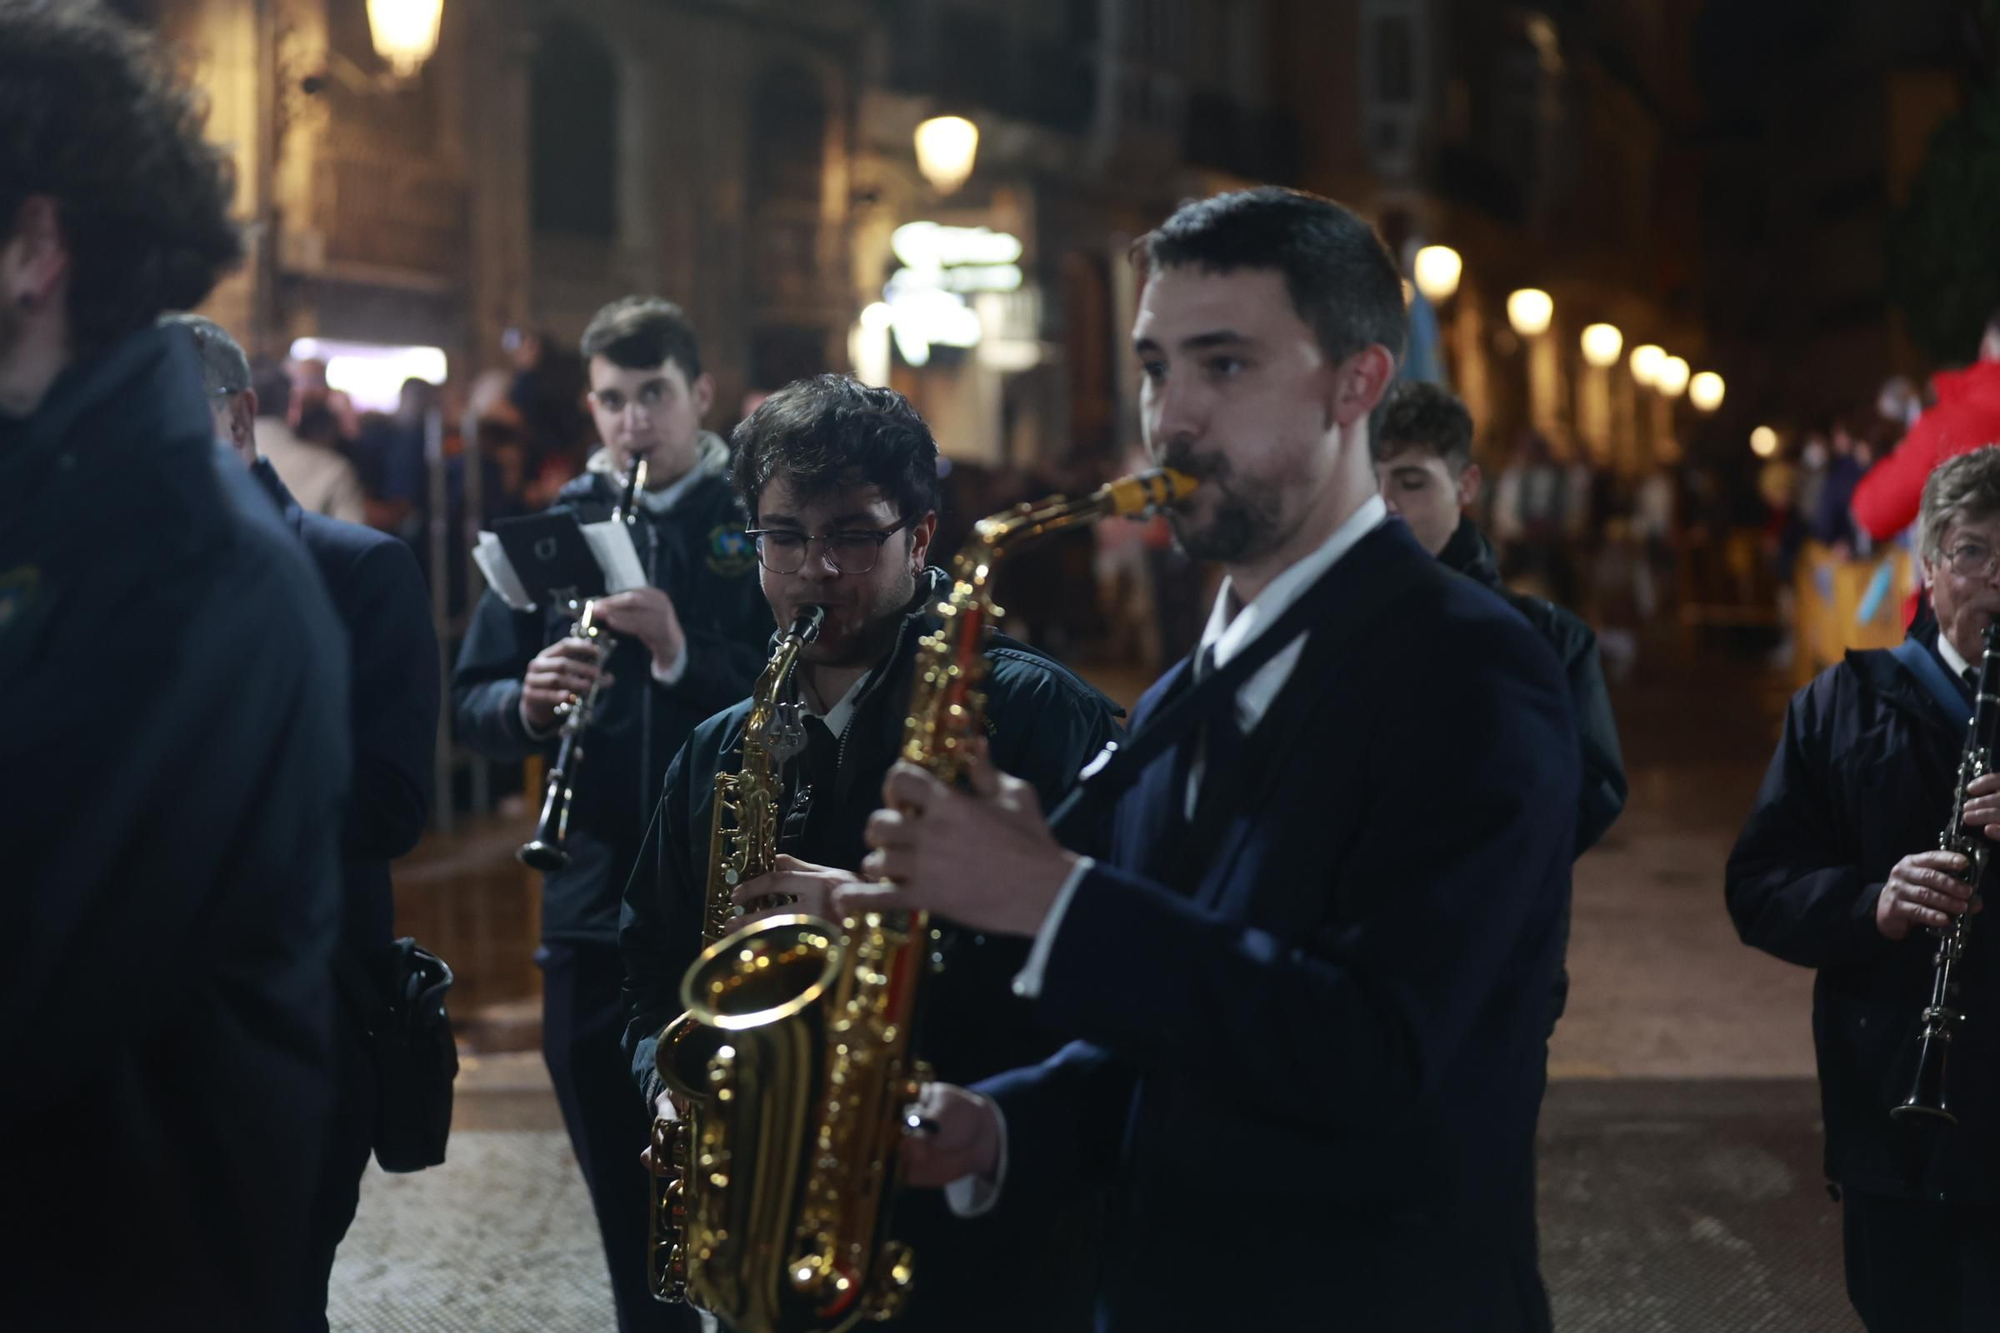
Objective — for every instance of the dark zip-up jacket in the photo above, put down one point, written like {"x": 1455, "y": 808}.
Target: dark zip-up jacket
{"x": 1044, "y": 724}
{"x": 697, "y": 554}
{"x": 176, "y": 759}
{"x": 1864, "y": 776}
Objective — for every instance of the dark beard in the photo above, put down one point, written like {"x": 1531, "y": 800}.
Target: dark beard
{"x": 1244, "y": 525}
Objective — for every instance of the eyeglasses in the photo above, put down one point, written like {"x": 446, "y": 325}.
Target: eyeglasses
{"x": 1973, "y": 560}
{"x": 851, "y": 550}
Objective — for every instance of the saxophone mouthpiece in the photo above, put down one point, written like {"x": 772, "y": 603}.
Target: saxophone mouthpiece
{"x": 1144, "y": 493}
{"x": 806, "y": 624}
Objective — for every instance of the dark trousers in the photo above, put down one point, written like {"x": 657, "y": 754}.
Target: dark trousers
{"x": 350, "y": 1138}
{"x": 583, "y": 1018}
{"x": 1921, "y": 1267}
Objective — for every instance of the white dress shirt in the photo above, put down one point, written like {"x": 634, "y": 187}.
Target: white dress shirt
{"x": 1959, "y": 666}
{"x": 1231, "y": 629}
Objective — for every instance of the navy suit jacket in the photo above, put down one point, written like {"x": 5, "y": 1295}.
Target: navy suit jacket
{"x": 1312, "y": 1028}
{"x": 394, "y": 686}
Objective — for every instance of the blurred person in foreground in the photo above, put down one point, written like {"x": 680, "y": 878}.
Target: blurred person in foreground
{"x": 176, "y": 747}
{"x": 1836, "y": 870}
{"x": 393, "y": 690}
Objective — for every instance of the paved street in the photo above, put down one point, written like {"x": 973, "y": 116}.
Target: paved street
{"x": 1679, "y": 1187}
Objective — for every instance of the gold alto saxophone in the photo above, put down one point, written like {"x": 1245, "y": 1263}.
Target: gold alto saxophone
{"x": 743, "y": 844}
{"x": 813, "y": 1068}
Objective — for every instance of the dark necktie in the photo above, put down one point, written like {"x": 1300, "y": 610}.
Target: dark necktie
{"x": 1222, "y": 738}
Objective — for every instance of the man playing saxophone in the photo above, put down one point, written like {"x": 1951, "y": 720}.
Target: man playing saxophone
{"x": 1310, "y": 974}
{"x": 842, "y": 480}
{"x": 1838, "y": 869}
{"x": 686, "y": 645}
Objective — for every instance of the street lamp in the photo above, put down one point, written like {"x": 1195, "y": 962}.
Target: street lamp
{"x": 946, "y": 147}
{"x": 1529, "y": 310}
{"x": 1601, "y": 345}
{"x": 1437, "y": 269}
{"x": 1705, "y": 391}
{"x": 405, "y": 32}
{"x": 1647, "y": 358}
{"x": 1672, "y": 378}
{"x": 1763, "y": 442}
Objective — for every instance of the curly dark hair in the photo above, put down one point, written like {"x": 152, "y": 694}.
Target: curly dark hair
{"x": 93, "y": 115}
{"x": 828, "y": 432}
{"x": 1418, "y": 415}
{"x": 1342, "y": 282}
{"x": 640, "y": 332}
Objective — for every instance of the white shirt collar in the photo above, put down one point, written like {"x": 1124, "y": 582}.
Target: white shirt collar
{"x": 842, "y": 712}
{"x": 660, "y": 501}
{"x": 1229, "y": 631}
{"x": 1959, "y": 666}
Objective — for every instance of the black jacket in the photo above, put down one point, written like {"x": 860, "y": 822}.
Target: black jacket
{"x": 695, "y": 552}
{"x": 176, "y": 758}
{"x": 1863, "y": 777}
{"x": 1319, "y": 1048}
{"x": 392, "y": 671}
{"x": 1602, "y": 796}
{"x": 1044, "y": 724}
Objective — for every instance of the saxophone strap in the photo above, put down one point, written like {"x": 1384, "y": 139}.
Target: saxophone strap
{"x": 1334, "y": 605}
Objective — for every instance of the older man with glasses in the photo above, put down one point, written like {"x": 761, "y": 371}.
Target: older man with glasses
{"x": 842, "y": 482}
{"x": 1836, "y": 871}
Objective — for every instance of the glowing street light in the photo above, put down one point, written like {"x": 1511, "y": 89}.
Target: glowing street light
{"x": 946, "y": 147}
{"x": 1601, "y": 345}
{"x": 1437, "y": 269}
{"x": 1672, "y": 378}
{"x": 405, "y": 32}
{"x": 1763, "y": 442}
{"x": 1529, "y": 310}
{"x": 1705, "y": 391}
{"x": 1647, "y": 358}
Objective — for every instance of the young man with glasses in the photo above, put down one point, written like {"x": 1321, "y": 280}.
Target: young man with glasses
{"x": 1837, "y": 870}
{"x": 842, "y": 480}
{"x": 688, "y": 644}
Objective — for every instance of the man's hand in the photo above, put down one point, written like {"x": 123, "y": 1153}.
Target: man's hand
{"x": 809, "y": 887}
{"x": 1924, "y": 889}
{"x": 1982, "y": 805}
{"x": 960, "y": 1137}
{"x": 648, "y": 615}
{"x": 561, "y": 671}
{"x": 664, "y": 1109}
{"x": 983, "y": 858}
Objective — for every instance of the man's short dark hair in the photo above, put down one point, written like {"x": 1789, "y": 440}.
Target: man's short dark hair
{"x": 640, "y": 332}
{"x": 92, "y": 115}
{"x": 830, "y": 432}
{"x": 1416, "y": 414}
{"x": 1342, "y": 282}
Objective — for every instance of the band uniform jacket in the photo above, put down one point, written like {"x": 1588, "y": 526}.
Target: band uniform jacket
{"x": 1312, "y": 1023}
{"x": 1044, "y": 725}
{"x": 177, "y": 757}
{"x": 378, "y": 593}
{"x": 1862, "y": 777}
{"x": 697, "y": 553}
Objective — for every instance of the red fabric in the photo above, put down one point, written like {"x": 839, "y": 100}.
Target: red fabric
{"x": 1967, "y": 416}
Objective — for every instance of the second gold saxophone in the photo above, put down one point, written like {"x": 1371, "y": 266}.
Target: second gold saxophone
{"x": 810, "y": 1023}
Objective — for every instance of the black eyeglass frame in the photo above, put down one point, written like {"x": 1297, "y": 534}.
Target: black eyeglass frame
{"x": 881, "y": 536}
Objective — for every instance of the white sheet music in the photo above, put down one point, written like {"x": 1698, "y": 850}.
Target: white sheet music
{"x": 611, "y": 542}
{"x": 492, "y": 560}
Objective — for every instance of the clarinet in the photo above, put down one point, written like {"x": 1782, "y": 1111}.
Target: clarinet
{"x": 546, "y": 851}
{"x": 1941, "y": 1020}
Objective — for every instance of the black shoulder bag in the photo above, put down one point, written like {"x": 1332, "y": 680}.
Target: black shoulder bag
{"x": 399, "y": 993}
